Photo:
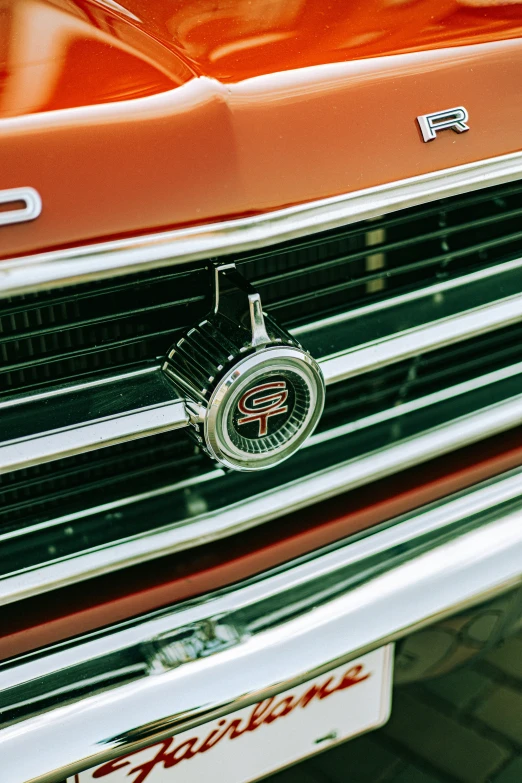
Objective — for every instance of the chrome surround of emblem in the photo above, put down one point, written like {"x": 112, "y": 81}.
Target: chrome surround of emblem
{"x": 30, "y": 211}
{"x": 233, "y": 356}
{"x": 431, "y": 124}
{"x": 270, "y": 449}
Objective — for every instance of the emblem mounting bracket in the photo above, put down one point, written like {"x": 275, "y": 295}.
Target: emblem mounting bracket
{"x": 231, "y": 293}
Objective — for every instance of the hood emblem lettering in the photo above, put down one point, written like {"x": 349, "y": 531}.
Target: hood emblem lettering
{"x": 25, "y": 202}
{"x": 431, "y": 124}
{"x": 258, "y": 408}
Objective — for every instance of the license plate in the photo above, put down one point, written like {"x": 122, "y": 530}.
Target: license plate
{"x": 257, "y": 740}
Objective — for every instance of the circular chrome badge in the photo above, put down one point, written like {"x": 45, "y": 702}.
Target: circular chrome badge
{"x": 264, "y": 408}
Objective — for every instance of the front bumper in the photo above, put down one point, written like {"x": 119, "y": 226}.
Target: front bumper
{"x": 80, "y": 703}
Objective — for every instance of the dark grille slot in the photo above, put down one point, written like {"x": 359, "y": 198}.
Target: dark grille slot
{"x": 95, "y": 328}
{"x": 122, "y": 296}
{"x": 487, "y": 227}
{"x": 57, "y": 336}
{"x": 58, "y": 488}
{"x": 364, "y": 395}
{"x": 432, "y": 249}
{"x": 464, "y": 361}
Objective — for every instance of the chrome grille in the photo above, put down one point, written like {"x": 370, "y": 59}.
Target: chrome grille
{"x": 380, "y": 284}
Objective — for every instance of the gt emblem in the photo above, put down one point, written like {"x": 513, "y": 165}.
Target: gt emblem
{"x": 261, "y": 408}
{"x": 431, "y": 124}
{"x": 28, "y": 198}
{"x": 257, "y": 395}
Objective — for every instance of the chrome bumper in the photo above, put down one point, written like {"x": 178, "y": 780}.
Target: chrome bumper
{"x": 173, "y": 670}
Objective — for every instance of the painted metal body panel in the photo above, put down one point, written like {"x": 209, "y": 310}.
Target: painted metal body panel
{"x": 129, "y": 119}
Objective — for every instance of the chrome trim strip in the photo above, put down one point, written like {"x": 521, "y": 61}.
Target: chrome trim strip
{"x": 438, "y": 292}
{"x": 92, "y": 416}
{"x": 346, "y": 345}
{"x": 419, "y": 404}
{"x": 52, "y": 269}
{"x": 422, "y": 339}
{"x": 82, "y": 386}
{"x": 109, "y": 431}
{"x": 30, "y": 198}
{"x": 285, "y": 627}
{"x": 399, "y": 328}
{"x": 426, "y": 434}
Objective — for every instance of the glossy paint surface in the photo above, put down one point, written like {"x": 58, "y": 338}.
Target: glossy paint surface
{"x": 135, "y": 117}
{"x": 55, "y": 55}
{"x": 51, "y": 617}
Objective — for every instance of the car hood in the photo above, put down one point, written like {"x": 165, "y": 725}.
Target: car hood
{"x": 133, "y": 117}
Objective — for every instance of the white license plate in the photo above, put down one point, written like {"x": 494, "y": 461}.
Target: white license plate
{"x": 257, "y": 740}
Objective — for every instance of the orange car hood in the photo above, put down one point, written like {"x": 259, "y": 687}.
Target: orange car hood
{"x": 134, "y": 117}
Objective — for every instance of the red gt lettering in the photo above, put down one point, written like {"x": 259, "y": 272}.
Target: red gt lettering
{"x": 261, "y": 408}
{"x": 169, "y": 754}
